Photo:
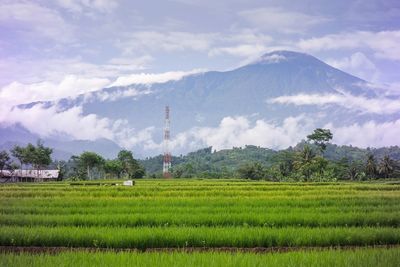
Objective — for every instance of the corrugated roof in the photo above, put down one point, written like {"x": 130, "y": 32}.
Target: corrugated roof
{"x": 41, "y": 174}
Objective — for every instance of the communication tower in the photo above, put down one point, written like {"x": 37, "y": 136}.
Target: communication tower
{"x": 167, "y": 153}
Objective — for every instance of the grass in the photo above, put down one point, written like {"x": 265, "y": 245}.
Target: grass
{"x": 353, "y": 258}
{"x": 214, "y": 213}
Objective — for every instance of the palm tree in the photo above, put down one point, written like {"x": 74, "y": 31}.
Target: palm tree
{"x": 386, "y": 166}
{"x": 304, "y": 160}
{"x": 370, "y": 167}
{"x": 307, "y": 154}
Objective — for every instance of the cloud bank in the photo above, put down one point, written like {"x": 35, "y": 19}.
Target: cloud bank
{"x": 384, "y": 106}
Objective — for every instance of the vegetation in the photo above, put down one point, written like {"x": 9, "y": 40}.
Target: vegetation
{"x": 312, "y": 160}
{"x": 351, "y": 258}
{"x": 37, "y": 156}
{"x": 200, "y": 213}
{"x": 87, "y": 166}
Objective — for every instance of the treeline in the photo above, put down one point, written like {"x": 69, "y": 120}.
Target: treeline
{"x": 89, "y": 166}
{"x": 86, "y": 166}
{"x": 37, "y": 156}
{"x": 314, "y": 159}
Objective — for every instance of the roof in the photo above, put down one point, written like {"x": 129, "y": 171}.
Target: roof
{"x": 41, "y": 174}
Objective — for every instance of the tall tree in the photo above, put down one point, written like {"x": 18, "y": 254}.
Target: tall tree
{"x": 386, "y": 166}
{"x": 18, "y": 152}
{"x": 304, "y": 160}
{"x": 131, "y": 166}
{"x": 90, "y": 160}
{"x": 320, "y": 137}
{"x": 113, "y": 167}
{"x": 370, "y": 166}
{"x": 39, "y": 156}
{"x": 5, "y": 161}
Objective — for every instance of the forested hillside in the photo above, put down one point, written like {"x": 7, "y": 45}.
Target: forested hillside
{"x": 225, "y": 163}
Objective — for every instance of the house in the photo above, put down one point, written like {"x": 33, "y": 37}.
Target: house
{"x": 28, "y": 175}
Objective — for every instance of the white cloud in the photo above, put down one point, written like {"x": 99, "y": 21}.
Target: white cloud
{"x": 149, "y": 78}
{"x": 384, "y": 44}
{"x": 357, "y": 64}
{"x": 80, "y": 6}
{"x": 165, "y": 41}
{"x": 241, "y": 50}
{"x": 53, "y": 121}
{"x": 272, "y": 59}
{"x": 128, "y": 137}
{"x": 240, "y": 131}
{"x": 33, "y": 71}
{"x": 47, "y": 121}
{"x": 18, "y": 93}
{"x": 32, "y": 20}
{"x": 360, "y": 103}
{"x": 369, "y": 134}
{"x": 116, "y": 94}
{"x": 278, "y": 19}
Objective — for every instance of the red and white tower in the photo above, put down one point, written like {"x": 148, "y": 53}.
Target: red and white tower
{"x": 167, "y": 153}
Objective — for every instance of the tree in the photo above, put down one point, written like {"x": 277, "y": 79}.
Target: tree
{"x": 113, "y": 167}
{"x": 39, "y": 156}
{"x": 320, "y": 137}
{"x": 253, "y": 171}
{"x": 354, "y": 171}
{"x": 303, "y": 161}
{"x": 386, "y": 166}
{"x": 19, "y": 153}
{"x": 5, "y": 161}
{"x": 370, "y": 166}
{"x": 286, "y": 161}
{"x": 131, "y": 167}
{"x": 89, "y": 161}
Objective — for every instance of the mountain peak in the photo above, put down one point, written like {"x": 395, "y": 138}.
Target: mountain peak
{"x": 281, "y": 56}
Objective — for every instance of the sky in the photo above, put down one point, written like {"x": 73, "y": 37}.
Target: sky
{"x": 62, "y": 48}
{"x": 48, "y": 40}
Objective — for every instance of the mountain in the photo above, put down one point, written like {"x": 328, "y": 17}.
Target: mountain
{"x": 202, "y": 100}
{"x": 210, "y": 96}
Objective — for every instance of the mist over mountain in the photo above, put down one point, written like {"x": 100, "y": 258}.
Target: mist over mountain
{"x": 273, "y": 102}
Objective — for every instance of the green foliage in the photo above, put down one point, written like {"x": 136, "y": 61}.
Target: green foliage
{"x": 89, "y": 160}
{"x": 371, "y": 167}
{"x": 254, "y": 171}
{"x": 90, "y": 165}
{"x": 130, "y": 166}
{"x": 114, "y": 168}
{"x": 386, "y": 166}
{"x": 320, "y": 137}
{"x": 38, "y": 156}
{"x": 5, "y": 160}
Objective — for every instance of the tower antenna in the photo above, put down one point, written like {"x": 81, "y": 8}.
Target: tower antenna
{"x": 167, "y": 153}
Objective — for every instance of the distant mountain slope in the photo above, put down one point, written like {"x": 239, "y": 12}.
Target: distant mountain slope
{"x": 204, "y": 99}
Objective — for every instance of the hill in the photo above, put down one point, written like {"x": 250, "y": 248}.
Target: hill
{"x": 220, "y": 164}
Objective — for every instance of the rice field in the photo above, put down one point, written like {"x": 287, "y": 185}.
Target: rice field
{"x": 216, "y": 214}
{"x": 343, "y": 258}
